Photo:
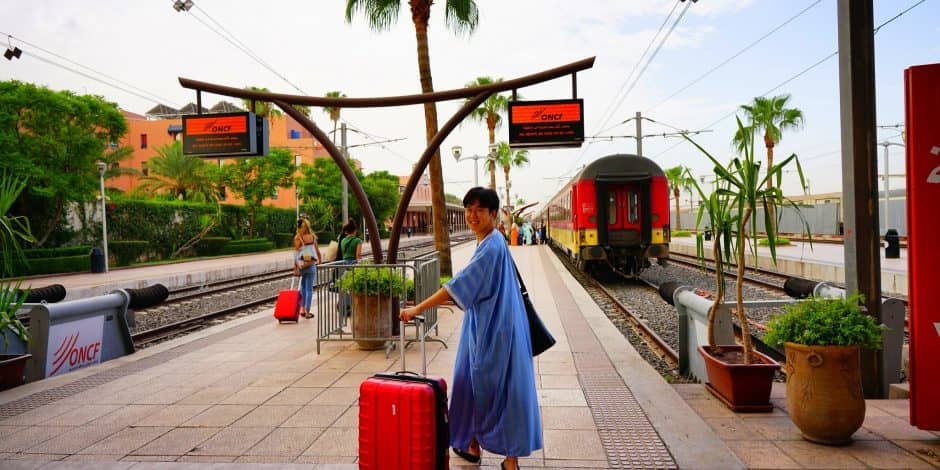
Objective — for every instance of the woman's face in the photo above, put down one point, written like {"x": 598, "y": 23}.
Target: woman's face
{"x": 479, "y": 219}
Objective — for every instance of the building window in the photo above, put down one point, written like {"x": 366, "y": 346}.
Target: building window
{"x": 143, "y": 141}
{"x": 143, "y": 168}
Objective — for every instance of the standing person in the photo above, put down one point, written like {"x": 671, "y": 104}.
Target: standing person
{"x": 305, "y": 263}
{"x": 494, "y": 404}
{"x": 542, "y": 233}
{"x": 514, "y": 235}
{"x": 350, "y": 246}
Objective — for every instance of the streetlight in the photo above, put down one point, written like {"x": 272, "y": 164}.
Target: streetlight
{"x": 457, "y": 151}
{"x": 297, "y": 189}
{"x": 102, "y": 168}
{"x": 888, "y": 178}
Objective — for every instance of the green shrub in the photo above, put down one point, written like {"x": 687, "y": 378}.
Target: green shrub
{"x": 778, "y": 241}
{"x": 127, "y": 251}
{"x": 211, "y": 246}
{"x": 283, "y": 239}
{"x": 247, "y": 246}
{"x": 376, "y": 281}
{"x": 820, "y": 321}
{"x": 680, "y": 233}
{"x": 57, "y": 252}
{"x": 61, "y": 264}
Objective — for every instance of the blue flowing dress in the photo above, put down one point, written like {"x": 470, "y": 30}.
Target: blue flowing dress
{"x": 494, "y": 398}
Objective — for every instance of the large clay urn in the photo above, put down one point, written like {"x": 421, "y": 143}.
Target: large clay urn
{"x": 824, "y": 392}
{"x": 371, "y": 319}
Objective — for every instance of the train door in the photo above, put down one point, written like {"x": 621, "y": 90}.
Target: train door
{"x": 624, "y": 214}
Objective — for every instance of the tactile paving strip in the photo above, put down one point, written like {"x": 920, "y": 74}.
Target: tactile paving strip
{"x": 627, "y": 435}
{"x": 31, "y": 402}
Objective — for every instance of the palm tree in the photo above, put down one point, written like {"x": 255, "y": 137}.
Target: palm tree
{"x": 678, "y": 180}
{"x": 263, "y": 108}
{"x": 508, "y": 157}
{"x": 773, "y": 117}
{"x": 461, "y": 16}
{"x": 490, "y": 113}
{"x": 334, "y": 112}
{"x": 172, "y": 172}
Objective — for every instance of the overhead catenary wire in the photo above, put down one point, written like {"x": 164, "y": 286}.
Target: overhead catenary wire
{"x": 801, "y": 73}
{"x": 140, "y": 92}
{"x": 734, "y": 56}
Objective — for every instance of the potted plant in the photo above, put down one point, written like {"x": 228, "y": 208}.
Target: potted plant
{"x": 822, "y": 337}
{"x": 737, "y": 374}
{"x": 372, "y": 288}
{"x": 12, "y": 229}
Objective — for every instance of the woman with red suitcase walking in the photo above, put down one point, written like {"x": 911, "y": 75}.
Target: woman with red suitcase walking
{"x": 494, "y": 405}
{"x": 305, "y": 264}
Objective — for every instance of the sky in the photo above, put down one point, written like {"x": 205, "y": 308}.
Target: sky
{"x": 686, "y": 66}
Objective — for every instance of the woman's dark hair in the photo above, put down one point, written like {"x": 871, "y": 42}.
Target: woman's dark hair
{"x": 350, "y": 226}
{"x": 485, "y": 197}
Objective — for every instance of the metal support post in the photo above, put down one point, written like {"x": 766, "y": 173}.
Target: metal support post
{"x": 639, "y": 134}
{"x": 344, "y": 150}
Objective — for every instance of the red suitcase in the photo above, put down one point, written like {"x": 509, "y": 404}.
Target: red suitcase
{"x": 287, "y": 307}
{"x": 403, "y": 420}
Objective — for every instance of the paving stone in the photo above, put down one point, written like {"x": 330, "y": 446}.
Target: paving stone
{"x": 267, "y": 415}
{"x": 567, "y": 417}
{"x": 336, "y": 442}
{"x": 337, "y": 396}
{"x": 232, "y": 441}
{"x": 208, "y": 396}
{"x": 884, "y": 454}
{"x": 80, "y": 415}
{"x": 74, "y": 440}
{"x": 811, "y": 455}
{"x": 177, "y": 442}
{"x": 173, "y": 415}
{"x": 891, "y": 427}
{"x": 294, "y": 396}
{"x": 549, "y": 381}
{"x": 219, "y": 416}
{"x": 286, "y": 442}
{"x": 572, "y": 444}
{"x": 126, "y": 441}
{"x": 928, "y": 451}
{"x": 761, "y": 454}
{"x": 562, "y": 397}
{"x": 252, "y": 396}
{"x": 314, "y": 416}
{"x": 31, "y": 436}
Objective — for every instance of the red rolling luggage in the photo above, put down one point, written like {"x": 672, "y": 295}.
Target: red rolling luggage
{"x": 403, "y": 420}
{"x": 287, "y": 307}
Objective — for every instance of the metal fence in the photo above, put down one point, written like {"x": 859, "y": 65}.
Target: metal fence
{"x": 354, "y": 302}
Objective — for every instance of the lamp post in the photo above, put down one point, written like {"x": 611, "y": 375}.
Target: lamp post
{"x": 296, "y": 188}
{"x": 102, "y": 168}
{"x": 887, "y": 176}
{"x": 457, "y": 151}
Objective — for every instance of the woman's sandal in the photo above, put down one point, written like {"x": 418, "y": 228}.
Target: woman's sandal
{"x": 467, "y": 455}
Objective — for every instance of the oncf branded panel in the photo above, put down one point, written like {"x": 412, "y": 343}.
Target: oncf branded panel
{"x": 74, "y": 345}
{"x": 225, "y": 135}
{"x": 922, "y": 99}
{"x": 550, "y": 123}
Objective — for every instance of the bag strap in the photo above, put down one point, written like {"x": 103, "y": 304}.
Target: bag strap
{"x": 525, "y": 291}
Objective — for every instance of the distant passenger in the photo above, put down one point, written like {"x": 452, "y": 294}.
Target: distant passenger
{"x": 305, "y": 263}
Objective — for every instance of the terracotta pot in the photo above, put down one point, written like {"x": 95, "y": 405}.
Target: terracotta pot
{"x": 824, "y": 392}
{"x": 12, "y": 368}
{"x": 371, "y": 319}
{"x": 742, "y": 388}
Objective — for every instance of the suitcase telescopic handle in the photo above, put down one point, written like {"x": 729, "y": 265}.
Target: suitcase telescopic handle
{"x": 418, "y": 319}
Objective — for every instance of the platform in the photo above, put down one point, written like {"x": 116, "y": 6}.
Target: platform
{"x": 817, "y": 261}
{"x": 254, "y": 394}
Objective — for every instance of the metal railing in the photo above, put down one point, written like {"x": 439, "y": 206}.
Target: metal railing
{"x": 354, "y": 302}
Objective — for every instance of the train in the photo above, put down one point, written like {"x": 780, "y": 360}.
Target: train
{"x": 613, "y": 215}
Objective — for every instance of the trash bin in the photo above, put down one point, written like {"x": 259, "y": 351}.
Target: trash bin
{"x": 893, "y": 244}
{"x": 708, "y": 235}
{"x": 97, "y": 260}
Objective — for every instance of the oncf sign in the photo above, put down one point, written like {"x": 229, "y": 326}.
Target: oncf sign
{"x": 74, "y": 345}
{"x": 922, "y": 99}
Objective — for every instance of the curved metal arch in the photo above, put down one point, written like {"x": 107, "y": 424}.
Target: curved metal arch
{"x": 404, "y": 100}
{"x": 477, "y": 95}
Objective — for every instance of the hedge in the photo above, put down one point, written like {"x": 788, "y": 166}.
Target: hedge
{"x": 247, "y": 246}
{"x": 62, "y": 264}
{"x": 211, "y": 246}
{"x": 127, "y": 251}
{"x": 57, "y": 252}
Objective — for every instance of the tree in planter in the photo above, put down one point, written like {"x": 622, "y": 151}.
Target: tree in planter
{"x": 12, "y": 230}
{"x": 822, "y": 337}
{"x": 741, "y": 191}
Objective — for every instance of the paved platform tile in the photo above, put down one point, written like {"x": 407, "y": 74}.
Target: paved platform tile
{"x": 285, "y": 442}
{"x": 179, "y": 441}
{"x": 31, "y": 436}
{"x": 219, "y": 416}
{"x": 567, "y": 417}
{"x": 336, "y": 442}
{"x": 173, "y": 415}
{"x": 232, "y": 441}
{"x": 315, "y": 416}
{"x": 811, "y": 455}
{"x": 572, "y": 444}
{"x": 884, "y": 454}
{"x": 267, "y": 415}
{"x": 126, "y": 441}
{"x": 761, "y": 454}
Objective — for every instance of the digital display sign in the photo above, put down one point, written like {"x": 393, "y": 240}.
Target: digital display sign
{"x": 548, "y": 123}
{"x": 225, "y": 135}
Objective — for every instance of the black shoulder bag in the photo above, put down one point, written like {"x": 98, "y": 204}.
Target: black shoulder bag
{"x": 541, "y": 338}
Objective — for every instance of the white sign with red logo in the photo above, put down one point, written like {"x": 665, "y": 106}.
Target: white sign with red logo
{"x": 74, "y": 345}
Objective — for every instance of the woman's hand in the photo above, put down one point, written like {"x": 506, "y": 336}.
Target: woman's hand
{"x": 407, "y": 314}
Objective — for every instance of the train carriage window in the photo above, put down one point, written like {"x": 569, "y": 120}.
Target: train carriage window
{"x": 633, "y": 207}
{"x": 612, "y": 209}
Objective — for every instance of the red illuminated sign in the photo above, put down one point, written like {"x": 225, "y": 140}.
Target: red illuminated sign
{"x": 550, "y": 123}
{"x": 225, "y": 135}
{"x": 922, "y": 99}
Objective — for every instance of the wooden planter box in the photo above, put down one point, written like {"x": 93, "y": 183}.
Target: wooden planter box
{"x": 12, "y": 370}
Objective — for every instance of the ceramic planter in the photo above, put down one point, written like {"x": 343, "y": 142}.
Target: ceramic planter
{"x": 742, "y": 388}
{"x": 824, "y": 392}
{"x": 371, "y": 319}
{"x": 12, "y": 370}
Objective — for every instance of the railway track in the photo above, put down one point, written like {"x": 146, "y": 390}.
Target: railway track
{"x": 256, "y": 292}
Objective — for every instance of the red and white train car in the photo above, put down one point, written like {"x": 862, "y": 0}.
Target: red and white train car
{"x": 613, "y": 214}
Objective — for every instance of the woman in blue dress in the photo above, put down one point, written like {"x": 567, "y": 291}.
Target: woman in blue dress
{"x": 495, "y": 403}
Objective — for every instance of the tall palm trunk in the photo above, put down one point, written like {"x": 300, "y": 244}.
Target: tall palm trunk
{"x": 491, "y": 163}
{"x": 508, "y": 203}
{"x": 675, "y": 194}
{"x": 769, "y": 143}
{"x": 420, "y": 11}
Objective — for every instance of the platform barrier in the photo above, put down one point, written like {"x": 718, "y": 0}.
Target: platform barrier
{"x": 71, "y": 335}
{"x": 354, "y": 302}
